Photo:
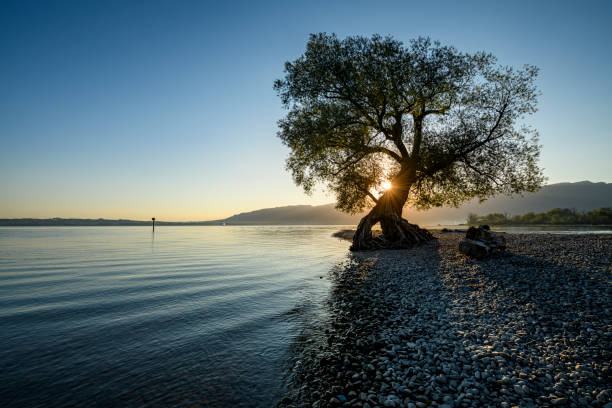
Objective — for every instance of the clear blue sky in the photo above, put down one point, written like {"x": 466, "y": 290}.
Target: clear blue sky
{"x": 138, "y": 109}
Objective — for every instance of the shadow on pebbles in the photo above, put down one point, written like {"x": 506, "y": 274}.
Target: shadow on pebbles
{"x": 430, "y": 327}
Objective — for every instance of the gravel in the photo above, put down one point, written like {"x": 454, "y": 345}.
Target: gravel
{"x": 530, "y": 326}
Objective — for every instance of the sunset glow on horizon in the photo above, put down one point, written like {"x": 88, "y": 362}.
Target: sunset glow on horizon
{"x": 134, "y": 110}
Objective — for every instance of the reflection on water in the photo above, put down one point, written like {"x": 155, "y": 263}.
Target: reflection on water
{"x": 187, "y": 315}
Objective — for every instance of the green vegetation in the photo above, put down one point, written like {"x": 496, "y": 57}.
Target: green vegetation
{"x": 556, "y": 216}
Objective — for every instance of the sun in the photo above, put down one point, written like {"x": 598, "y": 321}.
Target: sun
{"x": 385, "y": 185}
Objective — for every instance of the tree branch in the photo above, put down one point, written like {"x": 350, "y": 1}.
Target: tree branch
{"x": 440, "y": 111}
{"x": 418, "y": 135}
{"x": 464, "y": 152}
{"x": 487, "y": 175}
{"x": 489, "y": 136}
{"x": 371, "y": 196}
{"x": 397, "y": 135}
{"x": 351, "y": 161}
{"x": 390, "y": 153}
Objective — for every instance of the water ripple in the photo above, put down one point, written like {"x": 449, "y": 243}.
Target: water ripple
{"x": 187, "y": 316}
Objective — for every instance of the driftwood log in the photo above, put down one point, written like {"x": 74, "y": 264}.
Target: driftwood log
{"x": 481, "y": 242}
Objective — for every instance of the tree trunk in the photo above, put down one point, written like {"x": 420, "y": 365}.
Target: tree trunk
{"x": 397, "y": 233}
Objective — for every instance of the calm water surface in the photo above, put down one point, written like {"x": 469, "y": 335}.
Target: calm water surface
{"x": 186, "y": 316}
{"x": 201, "y": 316}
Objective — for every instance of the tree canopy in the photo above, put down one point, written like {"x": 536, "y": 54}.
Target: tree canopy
{"x": 442, "y": 125}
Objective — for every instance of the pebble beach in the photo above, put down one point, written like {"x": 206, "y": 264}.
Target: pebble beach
{"x": 429, "y": 327}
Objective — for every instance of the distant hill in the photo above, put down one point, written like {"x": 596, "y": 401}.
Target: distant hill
{"x": 294, "y": 214}
{"x": 87, "y": 222}
{"x": 581, "y": 196}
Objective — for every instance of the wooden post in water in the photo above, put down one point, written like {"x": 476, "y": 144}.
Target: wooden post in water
{"x": 153, "y": 219}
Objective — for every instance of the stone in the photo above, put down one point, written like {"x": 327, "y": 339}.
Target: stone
{"x": 492, "y": 239}
{"x": 558, "y": 401}
{"x": 480, "y": 242}
{"x": 473, "y": 248}
{"x": 493, "y": 330}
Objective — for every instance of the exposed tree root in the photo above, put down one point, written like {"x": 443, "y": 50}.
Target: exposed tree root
{"x": 397, "y": 233}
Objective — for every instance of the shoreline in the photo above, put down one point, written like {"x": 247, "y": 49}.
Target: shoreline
{"x": 428, "y": 327}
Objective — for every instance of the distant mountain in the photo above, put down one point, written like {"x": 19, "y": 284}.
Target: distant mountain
{"x": 581, "y": 196}
{"x": 294, "y": 215}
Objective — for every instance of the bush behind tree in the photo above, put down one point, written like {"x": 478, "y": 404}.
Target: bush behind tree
{"x": 556, "y": 216}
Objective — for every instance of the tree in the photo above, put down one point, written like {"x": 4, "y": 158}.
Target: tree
{"x": 472, "y": 219}
{"x": 440, "y": 125}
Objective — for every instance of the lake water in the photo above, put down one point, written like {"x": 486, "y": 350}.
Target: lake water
{"x": 202, "y": 316}
{"x": 185, "y": 316}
